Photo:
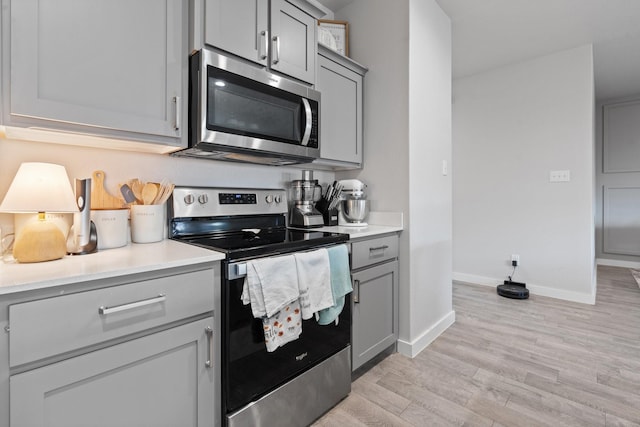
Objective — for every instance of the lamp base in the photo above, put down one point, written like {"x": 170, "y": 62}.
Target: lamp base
{"x": 39, "y": 241}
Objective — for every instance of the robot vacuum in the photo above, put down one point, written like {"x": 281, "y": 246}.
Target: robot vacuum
{"x": 513, "y": 290}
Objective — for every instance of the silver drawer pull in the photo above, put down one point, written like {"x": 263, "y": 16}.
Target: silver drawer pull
{"x": 379, "y": 248}
{"x": 209, "y": 332}
{"x": 178, "y": 122}
{"x": 356, "y": 291}
{"x": 265, "y": 36}
{"x": 276, "y": 58}
{"x": 103, "y": 311}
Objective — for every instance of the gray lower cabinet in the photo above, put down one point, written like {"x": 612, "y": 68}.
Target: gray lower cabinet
{"x": 374, "y": 298}
{"x": 132, "y": 350}
{"x": 340, "y": 81}
{"x": 112, "y": 68}
{"x": 280, "y": 34}
{"x": 157, "y": 380}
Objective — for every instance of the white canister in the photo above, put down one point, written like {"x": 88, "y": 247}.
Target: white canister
{"x": 111, "y": 227}
{"x": 147, "y": 223}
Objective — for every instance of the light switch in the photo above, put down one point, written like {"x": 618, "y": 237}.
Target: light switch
{"x": 560, "y": 176}
{"x": 445, "y": 168}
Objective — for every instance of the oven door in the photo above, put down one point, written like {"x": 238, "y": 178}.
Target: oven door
{"x": 248, "y": 370}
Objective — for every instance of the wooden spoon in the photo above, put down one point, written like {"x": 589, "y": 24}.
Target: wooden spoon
{"x": 136, "y": 186}
{"x": 149, "y": 193}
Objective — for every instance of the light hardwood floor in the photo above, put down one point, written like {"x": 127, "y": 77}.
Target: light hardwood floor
{"x": 535, "y": 362}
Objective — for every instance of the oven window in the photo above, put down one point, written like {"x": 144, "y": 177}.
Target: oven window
{"x": 249, "y": 371}
{"x": 242, "y": 106}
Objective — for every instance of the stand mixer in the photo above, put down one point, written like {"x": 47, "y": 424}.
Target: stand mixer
{"x": 354, "y": 206}
{"x": 305, "y": 193}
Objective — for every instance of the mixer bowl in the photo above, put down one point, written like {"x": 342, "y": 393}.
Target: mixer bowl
{"x": 355, "y": 210}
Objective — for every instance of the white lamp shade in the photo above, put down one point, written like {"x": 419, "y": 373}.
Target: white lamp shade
{"x": 40, "y": 187}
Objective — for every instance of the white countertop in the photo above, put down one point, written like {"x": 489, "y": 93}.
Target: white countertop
{"x": 130, "y": 259}
{"x": 377, "y": 223}
{"x": 140, "y": 258}
{"x": 358, "y": 232}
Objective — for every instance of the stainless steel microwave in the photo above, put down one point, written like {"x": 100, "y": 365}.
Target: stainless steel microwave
{"x": 240, "y": 112}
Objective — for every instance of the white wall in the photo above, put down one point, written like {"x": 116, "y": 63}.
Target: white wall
{"x": 512, "y": 126}
{"x": 407, "y": 135}
{"x": 119, "y": 166}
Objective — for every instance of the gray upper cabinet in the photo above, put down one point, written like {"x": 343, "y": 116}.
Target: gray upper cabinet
{"x": 104, "y": 67}
{"x": 340, "y": 81}
{"x": 238, "y": 26}
{"x": 280, "y": 36}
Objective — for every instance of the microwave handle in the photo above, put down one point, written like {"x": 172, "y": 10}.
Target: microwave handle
{"x": 309, "y": 119}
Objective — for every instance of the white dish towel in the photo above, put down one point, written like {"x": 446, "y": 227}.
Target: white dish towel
{"x": 270, "y": 285}
{"x": 314, "y": 281}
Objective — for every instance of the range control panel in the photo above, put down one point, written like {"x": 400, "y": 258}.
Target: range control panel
{"x": 204, "y": 202}
{"x": 237, "y": 198}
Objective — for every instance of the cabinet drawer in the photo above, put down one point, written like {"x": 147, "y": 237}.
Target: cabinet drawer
{"x": 373, "y": 251}
{"x": 52, "y": 326}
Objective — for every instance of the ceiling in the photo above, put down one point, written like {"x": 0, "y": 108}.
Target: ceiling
{"x": 491, "y": 33}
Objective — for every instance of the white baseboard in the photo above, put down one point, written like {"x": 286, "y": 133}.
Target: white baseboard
{"x": 411, "y": 349}
{"x": 617, "y": 263}
{"x": 534, "y": 289}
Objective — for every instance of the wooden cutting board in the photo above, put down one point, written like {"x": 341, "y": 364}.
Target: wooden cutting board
{"x": 100, "y": 197}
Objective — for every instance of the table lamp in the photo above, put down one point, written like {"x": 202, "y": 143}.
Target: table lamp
{"x": 40, "y": 187}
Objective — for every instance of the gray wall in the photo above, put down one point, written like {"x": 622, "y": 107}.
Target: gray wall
{"x": 512, "y": 126}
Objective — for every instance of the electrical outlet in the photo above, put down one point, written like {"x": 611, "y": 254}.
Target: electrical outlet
{"x": 515, "y": 258}
{"x": 560, "y": 176}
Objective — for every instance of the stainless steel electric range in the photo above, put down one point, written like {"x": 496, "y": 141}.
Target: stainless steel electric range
{"x": 299, "y": 381}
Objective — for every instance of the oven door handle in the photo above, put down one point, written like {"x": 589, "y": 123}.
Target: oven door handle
{"x": 237, "y": 271}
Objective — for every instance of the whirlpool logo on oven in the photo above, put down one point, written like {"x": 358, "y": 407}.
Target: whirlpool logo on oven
{"x": 301, "y": 356}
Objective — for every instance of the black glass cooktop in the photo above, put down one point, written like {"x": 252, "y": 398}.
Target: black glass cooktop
{"x": 253, "y": 242}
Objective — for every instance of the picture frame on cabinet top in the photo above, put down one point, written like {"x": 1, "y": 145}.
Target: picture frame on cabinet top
{"x": 340, "y": 32}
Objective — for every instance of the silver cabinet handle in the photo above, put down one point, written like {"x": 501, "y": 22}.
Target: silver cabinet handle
{"x": 379, "y": 248}
{"x": 356, "y": 291}
{"x": 265, "y": 37}
{"x": 103, "y": 311}
{"x": 276, "y": 39}
{"x": 209, "y": 332}
{"x": 309, "y": 119}
{"x": 176, "y": 99}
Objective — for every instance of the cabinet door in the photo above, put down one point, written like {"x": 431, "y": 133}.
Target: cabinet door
{"x": 293, "y": 41}
{"x": 106, "y": 64}
{"x": 157, "y": 380}
{"x": 375, "y": 311}
{"x": 239, "y": 27}
{"x": 340, "y": 112}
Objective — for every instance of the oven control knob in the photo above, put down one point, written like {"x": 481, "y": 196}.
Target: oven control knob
{"x": 278, "y": 198}
{"x": 269, "y": 199}
{"x": 189, "y": 199}
{"x": 203, "y": 199}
